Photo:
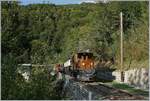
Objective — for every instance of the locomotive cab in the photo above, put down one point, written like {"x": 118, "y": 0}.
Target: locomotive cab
{"x": 83, "y": 63}
{"x": 81, "y": 66}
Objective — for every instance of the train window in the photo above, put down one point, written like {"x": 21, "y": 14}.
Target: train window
{"x": 90, "y": 55}
{"x": 79, "y": 55}
{"x": 85, "y": 55}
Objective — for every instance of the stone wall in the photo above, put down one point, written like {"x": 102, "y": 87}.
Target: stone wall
{"x": 117, "y": 75}
{"x": 135, "y": 77}
{"x": 75, "y": 91}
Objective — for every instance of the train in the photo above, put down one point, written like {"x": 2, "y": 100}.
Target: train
{"x": 80, "y": 66}
{"x": 84, "y": 67}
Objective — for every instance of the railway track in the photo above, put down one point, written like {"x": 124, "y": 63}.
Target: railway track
{"x": 109, "y": 93}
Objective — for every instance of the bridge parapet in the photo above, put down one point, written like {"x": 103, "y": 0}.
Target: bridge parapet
{"x": 75, "y": 90}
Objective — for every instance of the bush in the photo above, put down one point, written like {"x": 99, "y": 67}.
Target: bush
{"x": 14, "y": 87}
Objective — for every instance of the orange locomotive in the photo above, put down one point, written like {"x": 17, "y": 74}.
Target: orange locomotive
{"x": 83, "y": 61}
{"x": 81, "y": 66}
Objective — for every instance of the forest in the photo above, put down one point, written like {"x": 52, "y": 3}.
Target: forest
{"x": 50, "y": 34}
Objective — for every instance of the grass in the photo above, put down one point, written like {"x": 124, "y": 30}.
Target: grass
{"x": 130, "y": 89}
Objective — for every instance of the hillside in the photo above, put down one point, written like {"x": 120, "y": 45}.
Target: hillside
{"x": 50, "y": 34}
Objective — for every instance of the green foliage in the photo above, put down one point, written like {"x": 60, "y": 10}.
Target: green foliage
{"x": 48, "y": 33}
{"x": 8, "y": 73}
{"x": 39, "y": 51}
{"x": 14, "y": 87}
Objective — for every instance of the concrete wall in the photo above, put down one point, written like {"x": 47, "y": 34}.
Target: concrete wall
{"x": 135, "y": 77}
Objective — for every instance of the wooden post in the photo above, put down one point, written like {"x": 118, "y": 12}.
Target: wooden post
{"x": 121, "y": 50}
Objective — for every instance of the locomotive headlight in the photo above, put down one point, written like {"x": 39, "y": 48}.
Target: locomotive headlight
{"x": 83, "y": 64}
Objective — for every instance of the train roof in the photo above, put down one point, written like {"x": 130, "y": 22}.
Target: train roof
{"x": 85, "y": 51}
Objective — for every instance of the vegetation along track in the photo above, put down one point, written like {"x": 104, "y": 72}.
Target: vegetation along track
{"x": 107, "y": 92}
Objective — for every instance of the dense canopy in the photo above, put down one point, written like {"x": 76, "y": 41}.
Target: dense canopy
{"x": 50, "y": 34}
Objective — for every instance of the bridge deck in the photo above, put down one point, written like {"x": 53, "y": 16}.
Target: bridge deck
{"x": 95, "y": 91}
